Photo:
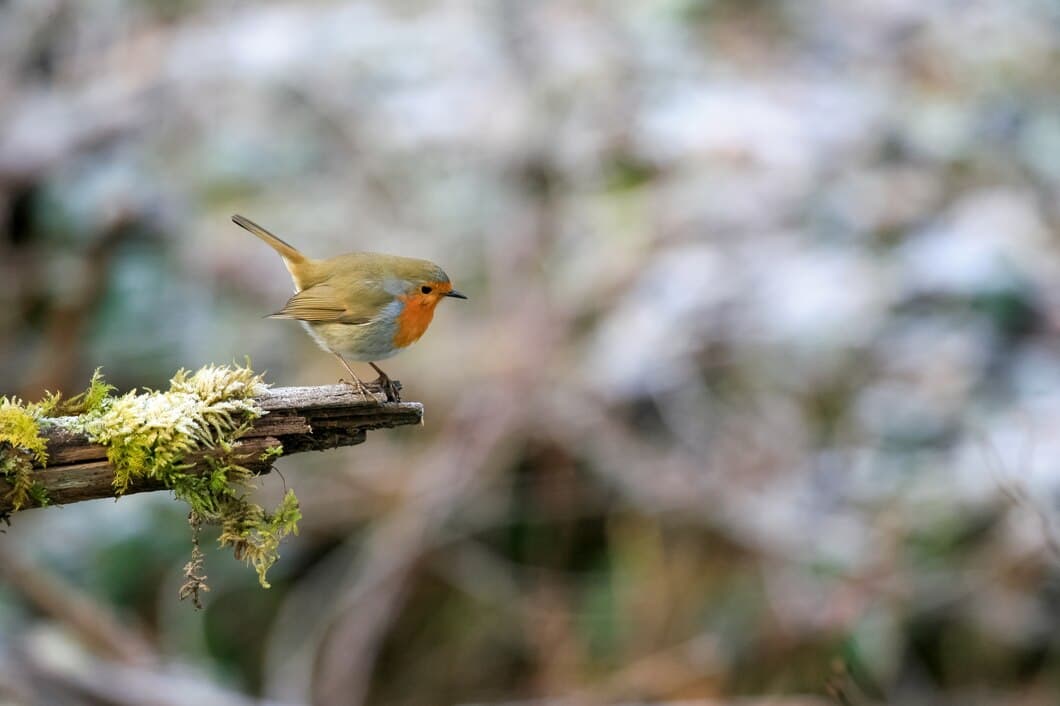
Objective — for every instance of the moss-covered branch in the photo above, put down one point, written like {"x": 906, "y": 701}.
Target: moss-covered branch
{"x": 298, "y": 419}
{"x": 204, "y": 439}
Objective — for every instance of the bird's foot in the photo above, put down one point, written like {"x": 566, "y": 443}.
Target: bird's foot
{"x": 366, "y": 394}
{"x": 392, "y": 389}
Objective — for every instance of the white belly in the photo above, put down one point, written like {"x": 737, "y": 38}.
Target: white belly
{"x": 364, "y": 342}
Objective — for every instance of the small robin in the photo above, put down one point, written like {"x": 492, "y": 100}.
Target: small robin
{"x": 362, "y": 305}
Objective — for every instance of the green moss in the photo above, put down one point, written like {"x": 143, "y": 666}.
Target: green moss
{"x": 89, "y": 401}
{"x": 20, "y": 428}
{"x": 255, "y": 535}
{"x": 148, "y": 434}
{"x": 21, "y": 444}
{"x": 92, "y": 399}
{"x": 18, "y": 472}
{"x": 273, "y": 452}
{"x": 153, "y": 435}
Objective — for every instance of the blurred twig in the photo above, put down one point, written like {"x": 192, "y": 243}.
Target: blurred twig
{"x": 91, "y": 621}
{"x": 82, "y": 679}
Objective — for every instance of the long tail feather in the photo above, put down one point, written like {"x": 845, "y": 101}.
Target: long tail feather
{"x": 287, "y": 251}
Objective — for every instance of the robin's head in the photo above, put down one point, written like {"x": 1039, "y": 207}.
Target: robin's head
{"x": 425, "y": 283}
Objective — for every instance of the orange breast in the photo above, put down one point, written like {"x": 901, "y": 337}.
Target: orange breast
{"x": 414, "y": 318}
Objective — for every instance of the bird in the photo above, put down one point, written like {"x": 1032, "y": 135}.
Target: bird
{"x": 361, "y": 306}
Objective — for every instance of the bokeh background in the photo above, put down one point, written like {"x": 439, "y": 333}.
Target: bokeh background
{"x": 756, "y": 398}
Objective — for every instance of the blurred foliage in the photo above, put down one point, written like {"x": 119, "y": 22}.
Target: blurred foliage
{"x": 756, "y": 395}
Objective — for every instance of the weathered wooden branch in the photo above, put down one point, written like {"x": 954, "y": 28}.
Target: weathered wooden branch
{"x": 299, "y": 418}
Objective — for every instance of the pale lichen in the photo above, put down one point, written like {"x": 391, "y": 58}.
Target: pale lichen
{"x": 148, "y": 434}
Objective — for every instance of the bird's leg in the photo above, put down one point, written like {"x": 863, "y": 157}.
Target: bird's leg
{"x": 365, "y": 392}
{"x": 391, "y": 390}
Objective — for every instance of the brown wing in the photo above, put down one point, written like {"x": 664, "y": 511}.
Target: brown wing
{"x": 323, "y": 303}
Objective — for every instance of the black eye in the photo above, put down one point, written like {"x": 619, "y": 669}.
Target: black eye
{"x": 425, "y": 289}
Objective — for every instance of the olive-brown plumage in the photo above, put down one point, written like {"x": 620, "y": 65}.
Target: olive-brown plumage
{"x": 361, "y": 305}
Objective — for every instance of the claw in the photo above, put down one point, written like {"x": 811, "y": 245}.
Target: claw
{"x": 393, "y": 392}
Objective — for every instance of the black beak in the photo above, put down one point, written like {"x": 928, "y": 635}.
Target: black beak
{"x": 455, "y": 294}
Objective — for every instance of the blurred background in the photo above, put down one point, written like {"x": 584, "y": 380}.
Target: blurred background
{"x": 756, "y": 398}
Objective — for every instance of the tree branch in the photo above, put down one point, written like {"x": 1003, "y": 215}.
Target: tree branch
{"x": 298, "y": 418}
